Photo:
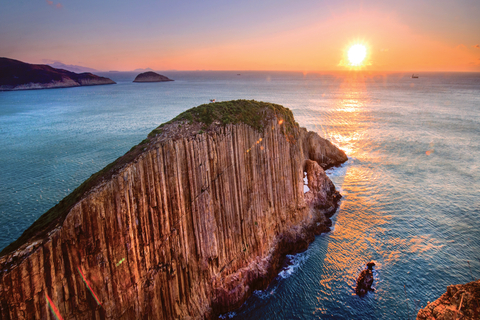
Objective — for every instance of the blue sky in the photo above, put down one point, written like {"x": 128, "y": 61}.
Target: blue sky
{"x": 239, "y": 35}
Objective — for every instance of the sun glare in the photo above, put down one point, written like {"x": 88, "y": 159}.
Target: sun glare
{"x": 356, "y": 54}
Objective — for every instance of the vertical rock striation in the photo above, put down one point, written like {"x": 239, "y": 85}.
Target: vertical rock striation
{"x": 188, "y": 228}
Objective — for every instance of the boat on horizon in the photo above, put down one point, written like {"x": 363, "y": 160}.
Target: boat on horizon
{"x": 414, "y": 76}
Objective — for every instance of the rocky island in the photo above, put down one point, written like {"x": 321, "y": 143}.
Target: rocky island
{"x": 18, "y": 75}
{"x": 151, "y": 76}
{"x": 186, "y": 225}
{"x": 365, "y": 280}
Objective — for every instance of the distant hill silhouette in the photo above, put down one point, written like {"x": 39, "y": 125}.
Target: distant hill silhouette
{"x": 68, "y": 67}
{"x": 18, "y": 75}
{"x": 143, "y": 70}
{"x": 151, "y": 77}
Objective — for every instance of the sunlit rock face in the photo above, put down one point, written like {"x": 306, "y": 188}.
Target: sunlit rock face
{"x": 186, "y": 229}
{"x": 461, "y": 301}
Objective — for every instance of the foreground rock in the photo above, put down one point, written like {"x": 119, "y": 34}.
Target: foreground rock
{"x": 461, "y": 301}
{"x": 185, "y": 225}
{"x": 151, "y": 76}
{"x": 365, "y": 280}
{"x": 17, "y": 75}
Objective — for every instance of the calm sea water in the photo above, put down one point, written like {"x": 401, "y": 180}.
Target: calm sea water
{"x": 411, "y": 186}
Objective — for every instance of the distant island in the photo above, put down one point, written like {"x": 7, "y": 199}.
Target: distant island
{"x": 18, "y": 75}
{"x": 142, "y": 70}
{"x": 151, "y": 76}
{"x": 68, "y": 67}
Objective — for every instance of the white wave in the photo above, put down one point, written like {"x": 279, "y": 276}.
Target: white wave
{"x": 295, "y": 262}
{"x": 264, "y": 294}
{"x": 228, "y": 315}
{"x": 341, "y": 170}
{"x": 332, "y": 227}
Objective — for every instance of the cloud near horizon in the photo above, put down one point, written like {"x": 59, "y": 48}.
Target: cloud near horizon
{"x": 477, "y": 46}
{"x": 58, "y": 5}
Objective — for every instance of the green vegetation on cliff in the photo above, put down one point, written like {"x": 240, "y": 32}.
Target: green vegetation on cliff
{"x": 253, "y": 113}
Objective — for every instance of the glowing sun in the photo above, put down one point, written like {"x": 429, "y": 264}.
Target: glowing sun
{"x": 356, "y": 54}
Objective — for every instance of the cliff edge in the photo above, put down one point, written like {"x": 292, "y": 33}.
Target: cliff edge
{"x": 461, "y": 301}
{"x": 187, "y": 224}
{"x": 151, "y": 76}
{"x": 18, "y": 75}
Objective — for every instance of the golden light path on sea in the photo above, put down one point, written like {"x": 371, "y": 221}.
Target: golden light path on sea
{"x": 350, "y": 130}
{"x": 361, "y": 231}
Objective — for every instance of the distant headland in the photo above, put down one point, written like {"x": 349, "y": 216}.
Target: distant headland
{"x": 151, "y": 76}
{"x": 18, "y": 75}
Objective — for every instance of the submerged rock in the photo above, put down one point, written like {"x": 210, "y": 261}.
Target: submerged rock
{"x": 461, "y": 301}
{"x": 151, "y": 76}
{"x": 365, "y": 280}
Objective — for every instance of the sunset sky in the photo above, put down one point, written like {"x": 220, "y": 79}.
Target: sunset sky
{"x": 409, "y": 36}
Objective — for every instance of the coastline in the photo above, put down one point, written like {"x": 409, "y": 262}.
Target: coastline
{"x": 50, "y": 86}
{"x": 290, "y": 242}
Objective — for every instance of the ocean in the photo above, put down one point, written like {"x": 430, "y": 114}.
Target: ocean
{"x": 411, "y": 186}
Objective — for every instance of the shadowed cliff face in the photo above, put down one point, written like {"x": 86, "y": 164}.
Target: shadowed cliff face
{"x": 188, "y": 228}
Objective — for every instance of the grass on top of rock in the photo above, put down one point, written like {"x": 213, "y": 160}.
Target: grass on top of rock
{"x": 253, "y": 113}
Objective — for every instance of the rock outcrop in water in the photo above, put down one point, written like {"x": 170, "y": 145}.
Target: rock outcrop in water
{"x": 365, "y": 280}
{"x": 151, "y": 76}
{"x": 461, "y": 301}
{"x": 185, "y": 225}
{"x": 17, "y": 75}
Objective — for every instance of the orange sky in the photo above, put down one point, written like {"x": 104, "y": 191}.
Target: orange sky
{"x": 246, "y": 35}
{"x": 315, "y": 47}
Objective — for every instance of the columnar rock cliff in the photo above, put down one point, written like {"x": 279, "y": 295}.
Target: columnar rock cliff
{"x": 185, "y": 225}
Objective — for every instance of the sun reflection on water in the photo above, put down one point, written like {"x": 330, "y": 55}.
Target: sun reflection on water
{"x": 348, "y": 117}
{"x": 363, "y": 229}
{"x": 358, "y": 235}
